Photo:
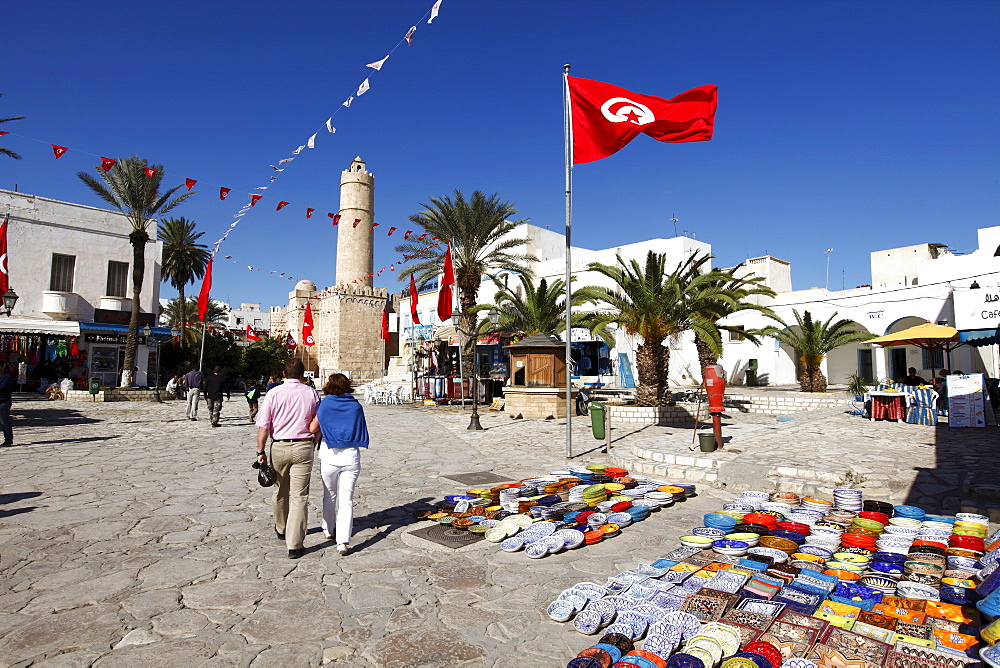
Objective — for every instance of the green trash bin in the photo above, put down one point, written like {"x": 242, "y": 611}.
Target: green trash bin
{"x": 752, "y": 373}
{"x": 95, "y": 386}
{"x": 597, "y": 419}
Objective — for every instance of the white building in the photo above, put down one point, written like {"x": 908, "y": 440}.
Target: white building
{"x": 911, "y": 285}
{"x": 70, "y": 264}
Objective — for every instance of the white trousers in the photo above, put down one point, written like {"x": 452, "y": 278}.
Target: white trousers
{"x": 194, "y": 394}
{"x": 339, "y": 469}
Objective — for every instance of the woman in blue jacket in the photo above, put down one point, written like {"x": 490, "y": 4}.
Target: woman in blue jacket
{"x": 341, "y": 421}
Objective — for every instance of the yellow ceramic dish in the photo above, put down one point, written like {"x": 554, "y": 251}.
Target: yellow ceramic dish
{"x": 745, "y": 537}
{"x": 805, "y": 556}
{"x": 851, "y": 558}
{"x": 845, "y": 566}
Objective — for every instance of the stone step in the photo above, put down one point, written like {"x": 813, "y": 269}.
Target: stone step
{"x": 663, "y": 470}
{"x": 691, "y": 458}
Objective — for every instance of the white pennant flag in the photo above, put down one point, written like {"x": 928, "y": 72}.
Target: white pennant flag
{"x": 329, "y": 126}
{"x": 363, "y": 88}
{"x": 281, "y": 162}
{"x": 377, "y": 65}
{"x": 298, "y": 150}
{"x": 348, "y": 101}
{"x": 277, "y": 169}
{"x": 312, "y": 141}
{"x": 434, "y": 11}
{"x": 409, "y": 34}
{"x": 261, "y": 188}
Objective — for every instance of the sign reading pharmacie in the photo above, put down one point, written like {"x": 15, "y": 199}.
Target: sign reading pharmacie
{"x": 977, "y": 309}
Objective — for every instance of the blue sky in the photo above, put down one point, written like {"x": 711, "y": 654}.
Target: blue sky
{"x": 853, "y": 125}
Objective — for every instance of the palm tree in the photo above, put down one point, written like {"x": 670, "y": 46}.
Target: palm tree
{"x": 478, "y": 229}
{"x": 184, "y": 259}
{"x": 184, "y": 314}
{"x": 813, "y": 341}
{"x": 532, "y": 309}
{"x": 128, "y": 188}
{"x": 722, "y": 295}
{"x": 656, "y": 305}
{"x": 6, "y": 151}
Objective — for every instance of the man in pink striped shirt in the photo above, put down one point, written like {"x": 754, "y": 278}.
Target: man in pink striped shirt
{"x": 285, "y": 415}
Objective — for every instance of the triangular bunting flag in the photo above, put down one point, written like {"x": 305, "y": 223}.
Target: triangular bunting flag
{"x": 363, "y": 88}
{"x": 434, "y": 11}
{"x": 312, "y": 141}
{"x": 374, "y": 225}
{"x": 356, "y": 221}
{"x": 277, "y": 169}
{"x": 59, "y": 150}
{"x": 190, "y": 183}
{"x": 335, "y": 217}
{"x": 282, "y": 204}
{"x": 377, "y": 65}
{"x": 150, "y": 173}
{"x": 408, "y": 233}
{"x": 298, "y": 150}
{"x": 281, "y": 162}
{"x": 391, "y": 230}
{"x": 4, "y": 132}
{"x": 409, "y": 34}
{"x": 348, "y": 101}
{"x": 107, "y": 163}
{"x": 329, "y": 126}
{"x": 309, "y": 213}
{"x": 224, "y": 192}
{"x": 254, "y": 198}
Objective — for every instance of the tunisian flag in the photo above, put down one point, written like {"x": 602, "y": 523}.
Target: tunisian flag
{"x": 307, "y": 326}
{"x": 4, "y": 273}
{"x": 607, "y": 117}
{"x": 252, "y": 335}
{"x": 206, "y": 288}
{"x": 413, "y": 295}
{"x": 444, "y": 291}
{"x": 384, "y": 333}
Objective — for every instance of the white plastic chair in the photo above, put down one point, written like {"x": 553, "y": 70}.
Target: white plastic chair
{"x": 369, "y": 393}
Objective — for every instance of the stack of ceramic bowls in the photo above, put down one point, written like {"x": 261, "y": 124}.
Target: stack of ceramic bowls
{"x": 848, "y": 499}
{"x": 676, "y": 491}
{"x": 909, "y": 512}
{"x": 897, "y": 543}
{"x": 805, "y": 516}
{"x": 815, "y": 504}
{"x": 778, "y": 507}
{"x": 582, "y": 473}
{"x": 730, "y": 548}
{"x": 720, "y": 521}
{"x": 755, "y": 498}
{"x": 662, "y": 499}
{"x": 638, "y": 512}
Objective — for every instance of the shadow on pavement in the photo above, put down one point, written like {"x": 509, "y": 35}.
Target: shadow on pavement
{"x": 50, "y": 417}
{"x": 14, "y": 498}
{"x": 89, "y": 439}
{"x": 380, "y": 520}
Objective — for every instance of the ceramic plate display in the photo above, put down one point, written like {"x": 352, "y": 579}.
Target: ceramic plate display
{"x": 725, "y": 635}
{"x": 587, "y": 622}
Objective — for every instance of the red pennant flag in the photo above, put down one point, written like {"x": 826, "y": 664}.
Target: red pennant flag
{"x": 606, "y": 118}
{"x": 408, "y": 233}
{"x": 252, "y": 335}
{"x": 254, "y": 199}
{"x": 281, "y": 204}
{"x": 356, "y": 221}
{"x": 206, "y": 288}
{"x": 391, "y": 230}
{"x": 107, "y": 163}
{"x": 392, "y": 267}
{"x": 4, "y": 271}
{"x": 190, "y": 183}
{"x": 150, "y": 172}
{"x": 374, "y": 225}
{"x": 307, "y": 326}
{"x": 384, "y": 334}
{"x": 336, "y": 218}
{"x": 224, "y": 193}
{"x": 309, "y": 213}
{"x": 3, "y": 132}
{"x": 421, "y": 237}
{"x": 444, "y": 292}
{"x": 413, "y": 301}
{"x": 58, "y": 150}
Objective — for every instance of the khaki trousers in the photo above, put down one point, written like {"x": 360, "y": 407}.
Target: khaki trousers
{"x": 293, "y": 463}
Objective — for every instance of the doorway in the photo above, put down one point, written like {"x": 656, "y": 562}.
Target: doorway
{"x": 866, "y": 366}
{"x": 897, "y": 363}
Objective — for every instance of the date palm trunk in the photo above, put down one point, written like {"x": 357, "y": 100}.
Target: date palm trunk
{"x": 652, "y": 360}
{"x": 138, "y": 239}
{"x": 705, "y": 354}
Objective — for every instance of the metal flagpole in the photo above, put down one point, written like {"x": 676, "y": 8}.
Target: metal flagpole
{"x": 201, "y": 358}
{"x": 568, "y": 141}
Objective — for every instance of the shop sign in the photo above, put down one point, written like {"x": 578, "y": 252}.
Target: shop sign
{"x": 109, "y": 317}
{"x": 581, "y": 335}
{"x": 121, "y": 338}
{"x": 977, "y": 309}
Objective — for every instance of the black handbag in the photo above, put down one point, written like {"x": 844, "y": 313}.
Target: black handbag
{"x": 266, "y": 475}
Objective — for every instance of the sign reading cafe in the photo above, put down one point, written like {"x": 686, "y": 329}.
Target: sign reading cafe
{"x": 977, "y": 309}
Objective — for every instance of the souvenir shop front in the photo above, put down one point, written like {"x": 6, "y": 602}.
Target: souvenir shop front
{"x": 38, "y": 352}
{"x": 104, "y": 343}
{"x": 440, "y": 376}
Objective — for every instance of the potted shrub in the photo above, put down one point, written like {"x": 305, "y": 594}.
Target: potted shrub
{"x": 857, "y": 386}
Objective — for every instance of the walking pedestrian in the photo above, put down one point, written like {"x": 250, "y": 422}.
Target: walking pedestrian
{"x": 6, "y": 388}
{"x": 253, "y": 398}
{"x": 193, "y": 380}
{"x": 340, "y": 419}
{"x": 272, "y": 383}
{"x": 285, "y": 417}
{"x": 215, "y": 385}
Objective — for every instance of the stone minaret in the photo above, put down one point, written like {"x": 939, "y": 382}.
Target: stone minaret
{"x": 355, "y": 257}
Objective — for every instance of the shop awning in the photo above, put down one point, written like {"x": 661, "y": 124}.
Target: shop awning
{"x": 107, "y": 327}
{"x": 39, "y": 326}
{"x": 980, "y": 337}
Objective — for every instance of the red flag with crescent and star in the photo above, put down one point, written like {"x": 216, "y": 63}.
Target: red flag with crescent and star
{"x": 290, "y": 342}
{"x": 307, "y": 326}
{"x": 4, "y": 271}
{"x": 251, "y": 334}
{"x": 384, "y": 333}
{"x": 444, "y": 293}
{"x": 606, "y": 117}
{"x": 413, "y": 301}
{"x": 206, "y": 289}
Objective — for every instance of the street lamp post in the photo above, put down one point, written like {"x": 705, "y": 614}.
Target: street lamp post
{"x": 148, "y": 332}
{"x": 474, "y": 424}
{"x": 9, "y": 300}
